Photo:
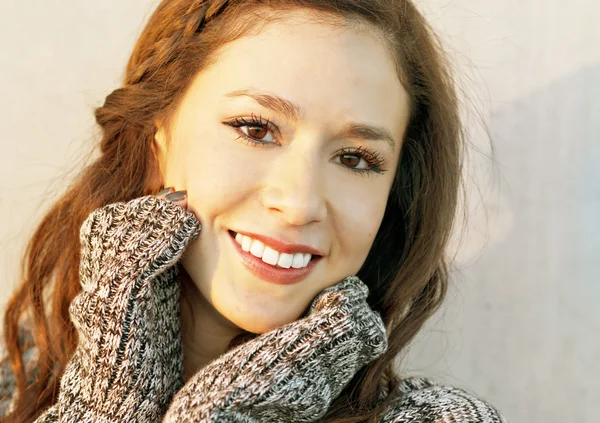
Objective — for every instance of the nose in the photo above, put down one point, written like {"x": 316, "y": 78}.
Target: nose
{"x": 295, "y": 187}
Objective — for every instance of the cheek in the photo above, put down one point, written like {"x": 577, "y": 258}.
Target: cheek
{"x": 360, "y": 223}
{"x": 213, "y": 171}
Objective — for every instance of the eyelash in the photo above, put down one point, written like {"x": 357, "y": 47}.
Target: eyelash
{"x": 370, "y": 156}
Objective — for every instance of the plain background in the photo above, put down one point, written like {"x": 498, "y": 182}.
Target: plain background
{"x": 521, "y": 324}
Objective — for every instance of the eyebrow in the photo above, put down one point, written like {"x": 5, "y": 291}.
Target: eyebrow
{"x": 294, "y": 112}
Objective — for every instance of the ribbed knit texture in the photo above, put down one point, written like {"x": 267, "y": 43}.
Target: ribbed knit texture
{"x": 128, "y": 364}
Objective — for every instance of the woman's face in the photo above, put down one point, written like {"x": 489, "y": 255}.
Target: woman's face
{"x": 312, "y": 178}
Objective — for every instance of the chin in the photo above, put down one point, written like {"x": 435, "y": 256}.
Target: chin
{"x": 258, "y": 323}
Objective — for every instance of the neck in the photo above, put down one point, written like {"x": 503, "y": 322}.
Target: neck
{"x": 205, "y": 333}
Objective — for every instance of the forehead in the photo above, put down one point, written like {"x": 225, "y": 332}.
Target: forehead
{"x": 330, "y": 71}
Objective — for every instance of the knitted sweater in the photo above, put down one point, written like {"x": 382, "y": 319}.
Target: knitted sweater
{"x": 128, "y": 365}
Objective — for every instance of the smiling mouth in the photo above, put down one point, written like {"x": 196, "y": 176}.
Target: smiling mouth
{"x": 233, "y": 235}
{"x": 271, "y": 273}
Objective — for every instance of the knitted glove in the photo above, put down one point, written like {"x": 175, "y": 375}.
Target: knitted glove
{"x": 290, "y": 374}
{"x": 128, "y": 361}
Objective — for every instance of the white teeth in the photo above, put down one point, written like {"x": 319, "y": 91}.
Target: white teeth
{"x": 298, "y": 261}
{"x": 285, "y": 260}
{"x": 270, "y": 256}
{"x": 307, "y": 257}
{"x": 257, "y": 249}
{"x": 246, "y": 243}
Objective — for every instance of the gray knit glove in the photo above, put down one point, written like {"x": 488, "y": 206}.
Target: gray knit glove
{"x": 289, "y": 374}
{"x": 128, "y": 362}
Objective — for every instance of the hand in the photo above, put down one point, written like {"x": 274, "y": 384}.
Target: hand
{"x": 128, "y": 362}
{"x": 292, "y": 373}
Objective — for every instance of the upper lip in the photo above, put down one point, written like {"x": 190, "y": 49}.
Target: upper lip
{"x": 282, "y": 246}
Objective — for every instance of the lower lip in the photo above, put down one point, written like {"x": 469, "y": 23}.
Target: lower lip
{"x": 269, "y": 273}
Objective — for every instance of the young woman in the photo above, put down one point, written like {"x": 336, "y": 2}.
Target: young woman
{"x": 311, "y": 151}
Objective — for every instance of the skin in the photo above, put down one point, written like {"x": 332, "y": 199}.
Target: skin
{"x": 299, "y": 189}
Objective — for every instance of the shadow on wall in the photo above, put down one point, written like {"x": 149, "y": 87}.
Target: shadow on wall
{"x": 548, "y": 145}
{"x": 520, "y": 324}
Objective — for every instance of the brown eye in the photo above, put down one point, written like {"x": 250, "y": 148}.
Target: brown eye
{"x": 350, "y": 160}
{"x": 257, "y": 132}
{"x": 254, "y": 130}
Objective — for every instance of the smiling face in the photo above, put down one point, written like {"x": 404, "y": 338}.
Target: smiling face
{"x": 286, "y": 136}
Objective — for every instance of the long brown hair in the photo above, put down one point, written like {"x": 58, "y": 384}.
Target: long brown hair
{"x": 406, "y": 269}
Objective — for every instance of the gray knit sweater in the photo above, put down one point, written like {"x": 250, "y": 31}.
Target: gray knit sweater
{"x": 128, "y": 365}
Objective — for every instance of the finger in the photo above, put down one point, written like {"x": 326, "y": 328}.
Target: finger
{"x": 178, "y": 197}
{"x": 165, "y": 191}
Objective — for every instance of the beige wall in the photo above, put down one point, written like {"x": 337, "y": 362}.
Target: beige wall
{"x": 522, "y": 319}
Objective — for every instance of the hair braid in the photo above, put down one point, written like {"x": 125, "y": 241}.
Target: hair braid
{"x": 123, "y": 105}
{"x": 191, "y": 21}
